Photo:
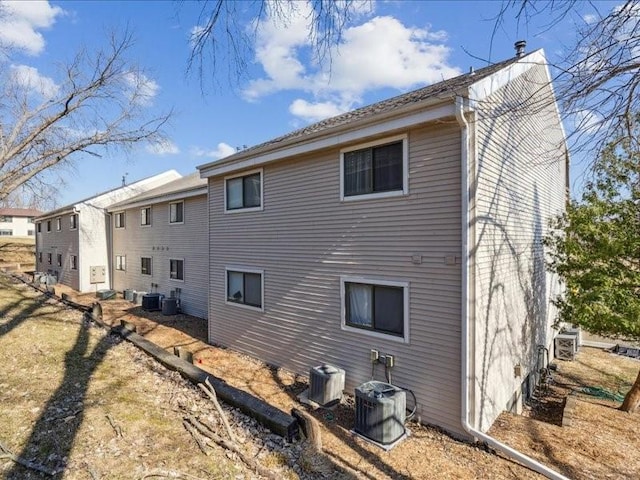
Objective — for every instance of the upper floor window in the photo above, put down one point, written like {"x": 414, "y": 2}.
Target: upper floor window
{"x": 6, "y": 218}
{"x": 58, "y": 224}
{"x": 176, "y": 212}
{"x": 73, "y": 221}
{"x": 31, "y": 219}
{"x": 243, "y": 192}
{"x": 39, "y": 227}
{"x": 119, "y": 219}
{"x": 145, "y": 216}
{"x": 376, "y": 169}
{"x": 48, "y": 225}
{"x": 378, "y": 307}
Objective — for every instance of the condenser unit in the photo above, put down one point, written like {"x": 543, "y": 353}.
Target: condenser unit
{"x": 326, "y": 384}
{"x": 138, "y": 296}
{"x": 151, "y": 301}
{"x": 170, "y": 306}
{"x": 380, "y": 412}
{"x": 128, "y": 294}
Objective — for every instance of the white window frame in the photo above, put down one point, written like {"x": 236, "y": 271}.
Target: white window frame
{"x": 181, "y": 280}
{"x": 124, "y": 257}
{"x": 116, "y": 215}
{"x": 71, "y": 217}
{"x": 59, "y": 260}
{"x": 58, "y": 224}
{"x": 150, "y": 208}
{"x": 373, "y": 333}
{"x": 71, "y": 266}
{"x": 241, "y": 269}
{"x": 176, "y": 223}
{"x": 151, "y": 267}
{"x": 245, "y": 173}
{"x": 375, "y": 143}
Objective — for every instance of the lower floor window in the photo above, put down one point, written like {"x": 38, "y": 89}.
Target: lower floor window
{"x": 121, "y": 262}
{"x": 377, "y": 306}
{"x": 73, "y": 259}
{"x": 176, "y": 269}
{"x": 145, "y": 265}
{"x": 245, "y": 287}
{"x": 6, "y": 233}
{"x": 40, "y": 257}
{"x": 59, "y": 259}
{"x": 49, "y": 258}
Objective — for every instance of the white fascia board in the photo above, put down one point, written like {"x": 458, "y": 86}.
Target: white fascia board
{"x": 56, "y": 213}
{"x": 487, "y": 86}
{"x": 170, "y": 197}
{"x": 335, "y": 140}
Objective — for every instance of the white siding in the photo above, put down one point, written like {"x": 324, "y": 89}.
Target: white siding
{"x": 163, "y": 241}
{"x": 64, "y": 242}
{"x": 19, "y": 226}
{"x": 521, "y": 180}
{"x": 306, "y": 238}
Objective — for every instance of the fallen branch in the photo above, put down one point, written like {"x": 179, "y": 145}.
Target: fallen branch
{"x": 211, "y": 393}
{"x": 115, "y": 426}
{"x": 214, "y": 439}
{"x": 6, "y": 453}
{"x": 196, "y": 436}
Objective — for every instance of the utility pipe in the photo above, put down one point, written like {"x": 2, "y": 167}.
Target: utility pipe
{"x": 466, "y": 262}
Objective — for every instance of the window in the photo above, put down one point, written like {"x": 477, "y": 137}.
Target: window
{"x": 244, "y": 287}
{"x": 145, "y": 216}
{"x": 119, "y": 219}
{"x": 39, "y": 227}
{"x": 73, "y": 221}
{"x": 6, "y": 218}
{"x": 30, "y": 219}
{"x": 30, "y": 233}
{"x": 121, "y": 262}
{"x": 176, "y": 269}
{"x": 59, "y": 258}
{"x": 40, "y": 257}
{"x": 58, "y": 224}
{"x": 6, "y": 233}
{"x": 73, "y": 260}
{"x": 145, "y": 266}
{"x": 243, "y": 192}
{"x": 176, "y": 212}
{"x": 378, "y": 169}
{"x": 49, "y": 258}
{"x": 48, "y": 225}
{"x": 376, "y": 306}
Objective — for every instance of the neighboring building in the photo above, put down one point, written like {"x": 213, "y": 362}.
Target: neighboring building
{"x": 413, "y": 227}
{"x": 72, "y": 242}
{"x": 161, "y": 241}
{"x": 18, "y": 222}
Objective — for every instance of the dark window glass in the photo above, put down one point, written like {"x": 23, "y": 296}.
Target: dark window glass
{"x": 244, "y": 192}
{"x": 176, "y": 213}
{"x": 373, "y": 170}
{"x": 145, "y": 267}
{"x": 375, "y": 307}
{"x": 245, "y": 288}
{"x": 176, "y": 269}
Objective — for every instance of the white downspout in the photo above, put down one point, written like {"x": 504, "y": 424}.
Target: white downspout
{"x": 466, "y": 262}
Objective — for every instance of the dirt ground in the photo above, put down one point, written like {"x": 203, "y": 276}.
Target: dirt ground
{"x": 599, "y": 444}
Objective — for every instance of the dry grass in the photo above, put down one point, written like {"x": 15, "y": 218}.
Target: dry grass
{"x": 17, "y": 250}
{"x": 599, "y": 444}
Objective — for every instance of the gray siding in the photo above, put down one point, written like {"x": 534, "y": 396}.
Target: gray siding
{"x": 64, "y": 242}
{"x": 521, "y": 179}
{"x": 162, "y": 241}
{"x": 306, "y": 238}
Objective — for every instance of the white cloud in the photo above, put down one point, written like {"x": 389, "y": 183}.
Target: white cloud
{"x": 589, "y": 18}
{"x": 20, "y": 22}
{"x": 30, "y": 79}
{"x": 379, "y": 53}
{"x": 588, "y": 121}
{"x": 142, "y": 88}
{"x": 163, "y": 147}
{"x": 221, "y": 151}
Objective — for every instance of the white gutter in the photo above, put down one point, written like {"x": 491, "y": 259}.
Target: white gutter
{"x": 466, "y": 358}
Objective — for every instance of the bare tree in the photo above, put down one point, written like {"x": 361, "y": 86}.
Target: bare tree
{"x": 101, "y": 103}
{"x": 222, "y": 34}
{"x": 598, "y": 76}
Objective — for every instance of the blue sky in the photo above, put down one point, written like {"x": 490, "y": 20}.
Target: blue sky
{"x": 389, "y": 48}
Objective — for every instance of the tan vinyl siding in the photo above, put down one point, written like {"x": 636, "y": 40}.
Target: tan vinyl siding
{"x": 306, "y": 238}
{"x": 162, "y": 241}
{"x": 520, "y": 186}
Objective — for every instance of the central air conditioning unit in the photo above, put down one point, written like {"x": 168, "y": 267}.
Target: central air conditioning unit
{"x": 138, "y": 296}
{"x": 380, "y": 412}
{"x": 128, "y": 294}
{"x": 170, "y": 306}
{"x": 151, "y": 301}
{"x": 326, "y": 384}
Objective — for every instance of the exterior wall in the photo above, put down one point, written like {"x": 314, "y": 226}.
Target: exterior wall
{"x": 20, "y": 227}
{"x": 521, "y": 184}
{"x": 306, "y": 238}
{"x": 163, "y": 241}
{"x": 94, "y": 239}
{"x": 64, "y": 242}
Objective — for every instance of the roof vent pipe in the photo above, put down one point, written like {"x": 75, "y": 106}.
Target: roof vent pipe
{"x": 520, "y": 46}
